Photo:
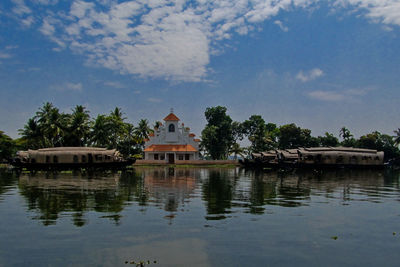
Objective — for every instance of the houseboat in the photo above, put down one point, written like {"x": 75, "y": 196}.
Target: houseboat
{"x": 315, "y": 157}
{"x": 340, "y": 157}
{"x": 70, "y": 158}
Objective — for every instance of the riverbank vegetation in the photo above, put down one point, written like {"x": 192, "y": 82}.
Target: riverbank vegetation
{"x": 221, "y": 137}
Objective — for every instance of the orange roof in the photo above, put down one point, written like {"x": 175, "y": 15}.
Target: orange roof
{"x": 151, "y": 134}
{"x": 170, "y": 148}
{"x": 196, "y": 140}
{"x": 147, "y": 140}
{"x": 192, "y": 135}
{"x": 171, "y": 117}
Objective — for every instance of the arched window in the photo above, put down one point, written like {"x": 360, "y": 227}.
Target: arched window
{"x": 55, "y": 159}
{"x": 75, "y": 159}
{"x": 171, "y": 128}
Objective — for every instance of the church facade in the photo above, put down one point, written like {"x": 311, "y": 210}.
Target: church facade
{"x": 172, "y": 142}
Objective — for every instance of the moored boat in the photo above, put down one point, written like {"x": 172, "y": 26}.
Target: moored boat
{"x": 71, "y": 158}
{"x": 340, "y": 157}
{"x": 319, "y": 157}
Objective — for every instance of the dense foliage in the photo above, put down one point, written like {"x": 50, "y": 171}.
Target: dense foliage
{"x": 221, "y": 132}
{"x": 220, "y": 137}
{"x": 51, "y": 128}
{"x": 7, "y": 147}
{"x": 217, "y": 136}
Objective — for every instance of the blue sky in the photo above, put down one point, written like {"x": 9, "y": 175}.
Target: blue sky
{"x": 319, "y": 64}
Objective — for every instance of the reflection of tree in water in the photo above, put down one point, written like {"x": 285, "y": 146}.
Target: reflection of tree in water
{"x": 262, "y": 191}
{"x": 218, "y": 190}
{"x": 52, "y": 194}
{"x": 170, "y": 188}
{"x": 7, "y": 181}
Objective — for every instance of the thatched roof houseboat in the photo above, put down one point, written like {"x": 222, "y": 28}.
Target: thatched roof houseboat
{"x": 70, "y": 157}
{"x": 340, "y": 156}
{"x": 318, "y": 157}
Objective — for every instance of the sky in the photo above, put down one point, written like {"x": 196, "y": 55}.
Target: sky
{"x": 321, "y": 64}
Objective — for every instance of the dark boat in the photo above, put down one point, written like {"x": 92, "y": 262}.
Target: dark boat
{"x": 64, "y": 158}
{"x": 317, "y": 157}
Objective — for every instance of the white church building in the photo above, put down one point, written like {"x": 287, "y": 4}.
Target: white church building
{"x": 172, "y": 142}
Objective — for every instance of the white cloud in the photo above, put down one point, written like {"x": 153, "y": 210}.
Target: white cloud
{"x": 309, "y": 75}
{"x": 383, "y": 11}
{"x": 333, "y": 96}
{"x": 154, "y": 100}
{"x": 115, "y": 84}
{"x": 326, "y": 95}
{"x": 11, "y": 47}
{"x": 169, "y": 39}
{"x": 46, "y": 2}
{"x": 20, "y": 7}
{"x": 137, "y": 92}
{"x": 4, "y": 55}
{"x": 47, "y": 28}
{"x": 280, "y": 24}
{"x": 69, "y": 87}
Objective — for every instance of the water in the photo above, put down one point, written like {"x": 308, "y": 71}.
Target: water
{"x": 200, "y": 217}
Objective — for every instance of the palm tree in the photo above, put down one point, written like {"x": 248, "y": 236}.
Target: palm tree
{"x": 32, "y": 134}
{"x": 236, "y": 150}
{"x": 157, "y": 124}
{"x": 52, "y": 124}
{"x": 345, "y": 133}
{"x": 79, "y": 127}
{"x": 117, "y": 114}
{"x": 397, "y": 137}
{"x": 117, "y": 127}
{"x": 143, "y": 130}
{"x": 100, "y": 135}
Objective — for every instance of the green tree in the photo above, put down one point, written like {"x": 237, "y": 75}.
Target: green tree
{"x": 291, "y": 136}
{"x": 348, "y": 139}
{"x": 117, "y": 128}
{"x": 236, "y": 150}
{"x": 157, "y": 124}
{"x": 143, "y": 129}
{"x": 131, "y": 143}
{"x": 397, "y": 137}
{"x": 328, "y": 140}
{"x": 7, "y": 147}
{"x": 237, "y": 131}
{"x": 380, "y": 142}
{"x": 345, "y": 133}
{"x": 52, "y": 125}
{"x": 101, "y": 131}
{"x": 255, "y": 129}
{"x": 79, "y": 127}
{"x": 31, "y": 135}
{"x": 217, "y": 136}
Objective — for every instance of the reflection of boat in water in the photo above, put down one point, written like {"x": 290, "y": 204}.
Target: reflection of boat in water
{"x": 70, "y": 158}
{"x": 79, "y": 182}
{"x": 321, "y": 157}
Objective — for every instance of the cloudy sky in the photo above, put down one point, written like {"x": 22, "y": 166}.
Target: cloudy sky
{"x": 321, "y": 64}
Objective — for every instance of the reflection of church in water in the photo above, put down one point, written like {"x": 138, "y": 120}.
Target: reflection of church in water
{"x": 169, "y": 187}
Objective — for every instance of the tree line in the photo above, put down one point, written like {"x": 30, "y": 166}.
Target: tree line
{"x": 51, "y": 128}
{"x": 219, "y": 139}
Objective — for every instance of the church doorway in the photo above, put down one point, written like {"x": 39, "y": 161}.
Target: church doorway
{"x": 171, "y": 158}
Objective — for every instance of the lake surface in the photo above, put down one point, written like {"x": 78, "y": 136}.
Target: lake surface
{"x": 200, "y": 217}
